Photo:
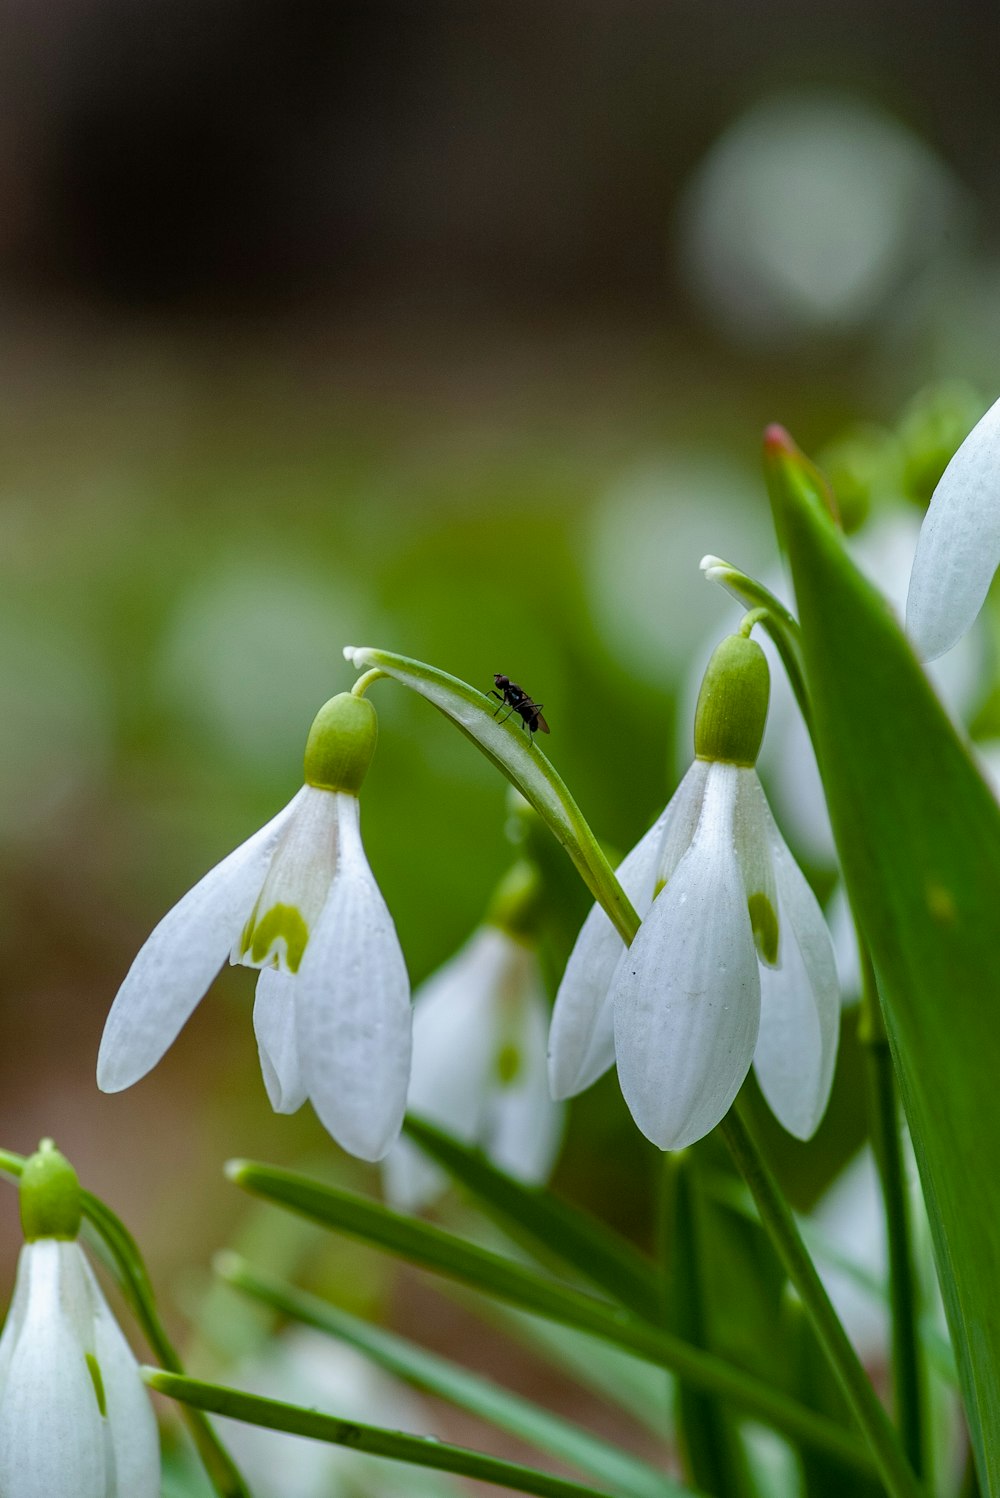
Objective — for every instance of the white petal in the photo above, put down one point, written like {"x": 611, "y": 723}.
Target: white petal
{"x": 582, "y": 1038}
{"x": 454, "y": 1042}
{"x": 134, "y": 1438}
{"x": 687, "y": 992}
{"x": 523, "y": 1126}
{"x": 180, "y": 959}
{"x": 277, "y": 1044}
{"x": 800, "y": 1004}
{"x": 352, "y": 1006}
{"x": 959, "y": 547}
{"x": 52, "y": 1442}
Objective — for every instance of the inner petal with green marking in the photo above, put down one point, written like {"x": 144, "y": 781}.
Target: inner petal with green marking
{"x": 764, "y": 923}
{"x": 276, "y": 938}
{"x": 296, "y": 888}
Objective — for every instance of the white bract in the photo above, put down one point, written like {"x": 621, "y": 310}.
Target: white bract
{"x": 479, "y": 1071}
{"x": 732, "y": 963}
{"x": 75, "y": 1419}
{"x": 959, "y": 547}
{"x": 298, "y": 901}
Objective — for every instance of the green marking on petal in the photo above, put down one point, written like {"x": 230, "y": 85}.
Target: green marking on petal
{"x": 283, "y": 926}
{"x": 508, "y": 1064}
{"x": 94, "y": 1369}
{"x": 764, "y": 922}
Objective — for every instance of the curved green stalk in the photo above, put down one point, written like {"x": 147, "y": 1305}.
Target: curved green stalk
{"x": 779, "y": 622}
{"x": 516, "y": 755}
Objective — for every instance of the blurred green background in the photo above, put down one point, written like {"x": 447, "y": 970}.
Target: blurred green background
{"x": 449, "y": 329}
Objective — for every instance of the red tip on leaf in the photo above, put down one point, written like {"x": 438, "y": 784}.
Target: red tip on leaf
{"x": 777, "y": 440}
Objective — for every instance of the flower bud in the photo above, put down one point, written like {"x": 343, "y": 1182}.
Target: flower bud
{"x": 341, "y": 744}
{"x": 732, "y": 704}
{"x": 49, "y": 1195}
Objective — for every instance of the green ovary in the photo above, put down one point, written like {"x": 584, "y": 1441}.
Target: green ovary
{"x": 282, "y": 926}
{"x": 764, "y": 923}
{"x": 508, "y": 1064}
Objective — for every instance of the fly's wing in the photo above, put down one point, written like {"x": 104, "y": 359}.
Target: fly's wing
{"x": 539, "y": 724}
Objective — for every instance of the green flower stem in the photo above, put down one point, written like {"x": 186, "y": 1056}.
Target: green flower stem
{"x": 772, "y": 615}
{"x": 515, "y": 755}
{"x": 444, "y": 1253}
{"x": 419, "y": 1451}
{"x": 884, "y": 1124}
{"x": 893, "y": 1468}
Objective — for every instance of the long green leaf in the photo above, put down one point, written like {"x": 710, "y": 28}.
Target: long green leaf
{"x": 420, "y": 1451}
{"x": 432, "y": 1248}
{"x": 436, "y": 1375}
{"x": 551, "y": 1225}
{"x": 918, "y": 833}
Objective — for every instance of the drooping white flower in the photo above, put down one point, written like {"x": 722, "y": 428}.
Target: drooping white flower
{"x": 732, "y": 963}
{"x": 479, "y": 1070}
{"x": 959, "y": 547}
{"x": 299, "y": 902}
{"x": 75, "y": 1419}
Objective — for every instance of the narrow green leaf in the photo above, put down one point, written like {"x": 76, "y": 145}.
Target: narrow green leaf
{"x": 552, "y": 1226}
{"x": 918, "y": 832}
{"x": 517, "y": 756}
{"x": 432, "y": 1248}
{"x": 419, "y": 1451}
{"x": 436, "y": 1375}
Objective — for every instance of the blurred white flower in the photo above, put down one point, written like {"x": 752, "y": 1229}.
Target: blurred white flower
{"x": 812, "y": 213}
{"x": 299, "y": 901}
{"x": 959, "y": 547}
{"x": 75, "y": 1419}
{"x": 479, "y": 1031}
{"x": 732, "y": 964}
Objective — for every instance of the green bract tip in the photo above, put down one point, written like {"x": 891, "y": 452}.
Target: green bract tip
{"x": 732, "y": 704}
{"x": 49, "y": 1195}
{"x": 341, "y": 744}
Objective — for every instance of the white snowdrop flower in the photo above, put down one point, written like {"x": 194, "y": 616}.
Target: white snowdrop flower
{"x": 732, "y": 964}
{"x": 299, "y": 902}
{"x": 959, "y": 547}
{"x": 75, "y": 1419}
{"x": 479, "y": 1033}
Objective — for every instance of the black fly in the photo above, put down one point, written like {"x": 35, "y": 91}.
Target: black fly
{"x": 510, "y": 695}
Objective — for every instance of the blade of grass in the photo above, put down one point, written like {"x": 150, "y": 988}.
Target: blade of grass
{"x": 420, "y": 1451}
{"x": 436, "y": 1375}
{"x": 605, "y": 1258}
{"x": 432, "y": 1248}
